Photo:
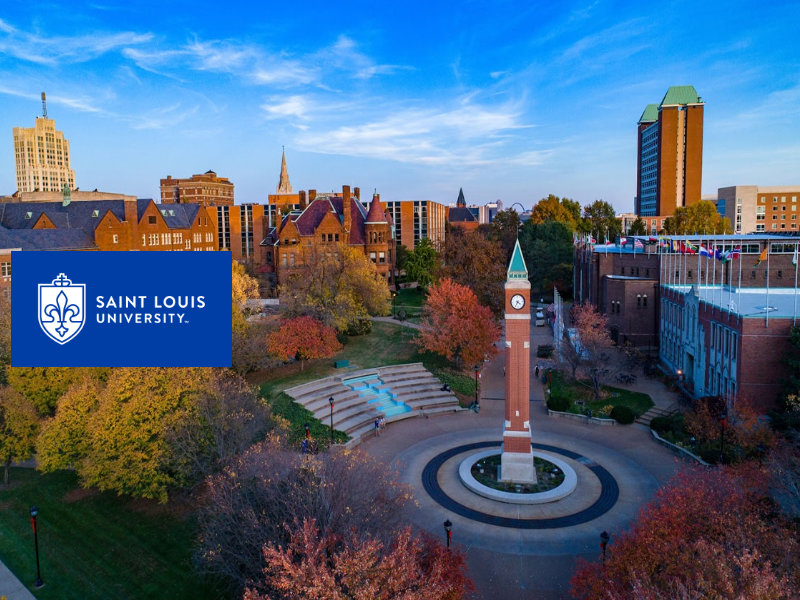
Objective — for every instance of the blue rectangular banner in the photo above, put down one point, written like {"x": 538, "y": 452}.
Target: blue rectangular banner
{"x": 121, "y": 309}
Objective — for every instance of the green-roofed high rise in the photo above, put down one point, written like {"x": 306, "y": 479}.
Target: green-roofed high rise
{"x": 670, "y": 153}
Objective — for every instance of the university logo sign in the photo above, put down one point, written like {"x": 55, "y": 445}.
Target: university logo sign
{"x": 62, "y": 308}
{"x": 121, "y": 309}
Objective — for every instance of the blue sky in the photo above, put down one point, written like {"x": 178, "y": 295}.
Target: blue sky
{"x": 509, "y": 100}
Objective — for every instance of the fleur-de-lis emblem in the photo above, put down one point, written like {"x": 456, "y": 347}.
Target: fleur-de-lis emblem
{"x": 61, "y": 311}
{"x": 61, "y": 308}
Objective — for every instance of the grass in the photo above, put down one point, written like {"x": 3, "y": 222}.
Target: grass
{"x": 97, "y": 545}
{"x": 581, "y": 391}
{"x": 410, "y": 300}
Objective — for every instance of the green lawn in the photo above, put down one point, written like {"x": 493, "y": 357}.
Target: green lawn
{"x": 97, "y": 545}
{"x": 410, "y": 300}
{"x": 581, "y": 391}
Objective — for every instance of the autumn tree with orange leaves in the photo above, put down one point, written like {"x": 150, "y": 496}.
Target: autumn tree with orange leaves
{"x": 304, "y": 338}
{"x": 710, "y": 533}
{"x": 318, "y": 567}
{"x": 455, "y": 326}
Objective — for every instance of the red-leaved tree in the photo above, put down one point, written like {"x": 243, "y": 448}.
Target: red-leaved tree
{"x": 710, "y": 533}
{"x": 455, "y": 326}
{"x": 318, "y": 567}
{"x": 304, "y": 338}
{"x": 594, "y": 340}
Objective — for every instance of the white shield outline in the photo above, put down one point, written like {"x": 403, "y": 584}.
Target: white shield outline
{"x": 71, "y": 291}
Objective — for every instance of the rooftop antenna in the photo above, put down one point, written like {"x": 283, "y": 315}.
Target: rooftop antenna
{"x": 44, "y": 105}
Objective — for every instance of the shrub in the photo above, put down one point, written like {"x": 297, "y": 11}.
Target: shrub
{"x": 544, "y": 351}
{"x": 623, "y": 415}
{"x": 661, "y": 424}
{"x": 360, "y": 327}
{"x": 558, "y": 403}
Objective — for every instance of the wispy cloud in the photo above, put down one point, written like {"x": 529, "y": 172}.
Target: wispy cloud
{"x": 344, "y": 55}
{"x": 53, "y": 50}
{"x": 80, "y": 103}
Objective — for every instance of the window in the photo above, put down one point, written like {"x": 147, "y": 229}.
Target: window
{"x": 187, "y": 245}
{"x": 382, "y": 257}
{"x": 283, "y": 260}
{"x": 638, "y": 299}
{"x": 372, "y": 257}
{"x": 144, "y": 240}
{"x": 774, "y": 225}
{"x": 165, "y": 239}
{"x": 151, "y": 220}
{"x": 5, "y": 269}
{"x": 622, "y": 270}
{"x": 336, "y": 237}
{"x": 115, "y": 238}
{"x": 152, "y": 239}
{"x": 644, "y": 300}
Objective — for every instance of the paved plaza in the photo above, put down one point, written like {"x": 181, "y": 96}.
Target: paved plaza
{"x": 535, "y": 556}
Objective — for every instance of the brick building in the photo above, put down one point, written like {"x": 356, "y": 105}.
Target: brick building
{"x": 670, "y": 153}
{"x": 102, "y": 225}
{"x": 760, "y": 209}
{"x": 329, "y": 220}
{"x": 416, "y": 220}
{"x": 206, "y": 189}
{"x": 461, "y": 216}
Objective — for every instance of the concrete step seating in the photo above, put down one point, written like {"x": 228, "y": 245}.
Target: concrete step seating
{"x": 652, "y": 413}
{"x": 411, "y": 384}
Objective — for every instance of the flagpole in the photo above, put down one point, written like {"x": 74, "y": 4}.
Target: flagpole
{"x": 794, "y": 311}
{"x": 739, "y": 286}
{"x": 766, "y": 322}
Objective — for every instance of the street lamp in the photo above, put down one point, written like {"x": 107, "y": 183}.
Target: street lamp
{"x": 722, "y": 418}
{"x": 448, "y": 531}
{"x": 394, "y": 295}
{"x": 330, "y": 401}
{"x": 39, "y": 583}
{"x": 604, "y": 537}
{"x": 477, "y": 370}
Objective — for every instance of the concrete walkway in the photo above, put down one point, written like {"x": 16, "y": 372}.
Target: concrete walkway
{"x": 11, "y": 588}
{"x": 394, "y": 321}
{"x": 532, "y": 563}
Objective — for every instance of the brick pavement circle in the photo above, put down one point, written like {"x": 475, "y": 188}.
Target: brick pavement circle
{"x": 609, "y": 493}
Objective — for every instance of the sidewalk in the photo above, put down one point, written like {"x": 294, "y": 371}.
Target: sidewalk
{"x": 11, "y": 588}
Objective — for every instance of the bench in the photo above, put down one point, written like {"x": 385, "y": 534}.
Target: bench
{"x": 340, "y": 364}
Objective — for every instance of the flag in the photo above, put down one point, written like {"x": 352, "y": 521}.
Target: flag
{"x": 794, "y": 258}
{"x": 687, "y": 248}
{"x": 718, "y": 254}
{"x": 623, "y": 241}
{"x": 735, "y": 252}
{"x": 609, "y": 243}
{"x": 761, "y": 257}
{"x": 705, "y": 252}
{"x": 575, "y": 239}
{"x": 637, "y": 243}
{"x": 652, "y": 239}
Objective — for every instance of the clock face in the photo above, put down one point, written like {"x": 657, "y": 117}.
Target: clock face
{"x": 517, "y": 301}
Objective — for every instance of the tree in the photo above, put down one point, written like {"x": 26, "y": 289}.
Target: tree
{"x": 303, "y": 338}
{"x": 638, "y": 227}
{"x": 456, "y": 326}
{"x": 601, "y": 221}
{"x": 312, "y": 566}
{"x": 504, "y": 229}
{"x": 43, "y": 386}
{"x": 558, "y": 210}
{"x": 243, "y": 288}
{"x": 340, "y": 288}
{"x": 478, "y": 263}
{"x": 421, "y": 263}
{"x": 18, "y": 428}
{"x": 145, "y": 431}
{"x": 548, "y": 252}
{"x": 594, "y": 340}
{"x": 708, "y": 534}
{"x": 701, "y": 217}
{"x": 252, "y": 500}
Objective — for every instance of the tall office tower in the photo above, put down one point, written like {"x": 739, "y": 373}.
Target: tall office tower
{"x": 42, "y": 156}
{"x": 670, "y": 153}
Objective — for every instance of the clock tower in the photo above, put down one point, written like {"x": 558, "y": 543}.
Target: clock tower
{"x": 517, "y": 457}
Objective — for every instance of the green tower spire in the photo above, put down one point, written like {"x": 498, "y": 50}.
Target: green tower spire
{"x": 517, "y": 268}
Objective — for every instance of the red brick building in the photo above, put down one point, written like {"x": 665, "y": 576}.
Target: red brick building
{"x": 206, "y": 189}
{"x": 328, "y": 220}
{"x": 461, "y": 216}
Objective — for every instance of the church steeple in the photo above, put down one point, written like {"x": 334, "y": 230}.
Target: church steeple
{"x": 284, "y": 187}
{"x": 517, "y": 269}
{"x": 461, "y": 202}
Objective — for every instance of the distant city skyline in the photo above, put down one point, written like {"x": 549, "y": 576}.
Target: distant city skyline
{"x": 509, "y": 101}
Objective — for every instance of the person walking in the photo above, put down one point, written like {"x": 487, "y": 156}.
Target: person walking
{"x": 377, "y": 426}
{"x": 537, "y": 370}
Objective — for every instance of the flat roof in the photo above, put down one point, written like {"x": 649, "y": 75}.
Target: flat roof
{"x": 748, "y": 302}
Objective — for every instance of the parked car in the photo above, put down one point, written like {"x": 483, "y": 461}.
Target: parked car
{"x": 540, "y": 320}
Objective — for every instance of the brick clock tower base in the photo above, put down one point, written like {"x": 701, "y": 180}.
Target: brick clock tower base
{"x": 516, "y": 463}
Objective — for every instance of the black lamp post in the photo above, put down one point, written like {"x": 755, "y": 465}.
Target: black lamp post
{"x": 308, "y": 431}
{"x": 330, "y": 401}
{"x": 394, "y": 295}
{"x": 722, "y": 418}
{"x": 448, "y": 531}
{"x": 477, "y": 370}
{"x": 604, "y": 537}
{"x": 39, "y": 583}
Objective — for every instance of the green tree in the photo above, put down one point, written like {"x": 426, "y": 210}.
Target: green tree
{"x": 43, "y": 386}
{"x": 504, "y": 229}
{"x": 421, "y": 263}
{"x": 341, "y": 289}
{"x": 600, "y": 220}
{"x": 701, "y": 217}
{"x": 548, "y": 249}
{"x": 18, "y": 427}
{"x": 555, "y": 209}
{"x": 472, "y": 260}
{"x": 637, "y": 227}
{"x": 145, "y": 431}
